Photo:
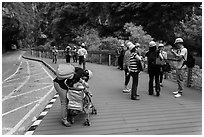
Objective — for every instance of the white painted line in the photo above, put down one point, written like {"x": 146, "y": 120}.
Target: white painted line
{"x": 49, "y": 106}
{"x": 9, "y": 85}
{"x": 37, "y": 122}
{"x": 29, "y": 133}
{"x": 13, "y": 130}
{"x": 15, "y": 79}
{"x": 47, "y": 73}
{"x": 53, "y": 100}
{"x": 4, "y": 114}
{"x": 10, "y": 94}
{"x": 29, "y": 92}
{"x": 57, "y": 95}
{"x": 20, "y": 55}
{"x": 43, "y": 113}
{"x": 13, "y": 73}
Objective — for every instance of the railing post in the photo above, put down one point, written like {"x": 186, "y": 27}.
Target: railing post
{"x": 189, "y": 77}
{"x": 40, "y": 54}
{"x": 100, "y": 60}
{"x": 109, "y": 59}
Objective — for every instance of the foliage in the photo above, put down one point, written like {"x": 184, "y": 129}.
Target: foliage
{"x": 109, "y": 43}
{"x": 191, "y": 31}
{"x": 138, "y": 35}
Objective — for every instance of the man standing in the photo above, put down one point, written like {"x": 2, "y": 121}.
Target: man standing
{"x": 180, "y": 56}
{"x": 82, "y": 53}
{"x": 68, "y": 54}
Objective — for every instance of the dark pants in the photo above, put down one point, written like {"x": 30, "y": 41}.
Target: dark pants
{"x": 154, "y": 76}
{"x": 75, "y": 58}
{"x": 161, "y": 75}
{"x": 82, "y": 61}
{"x": 127, "y": 77}
{"x": 135, "y": 78}
{"x": 68, "y": 58}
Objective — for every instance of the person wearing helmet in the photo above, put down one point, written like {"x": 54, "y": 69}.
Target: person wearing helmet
{"x": 74, "y": 52}
{"x": 54, "y": 54}
{"x": 180, "y": 56}
{"x": 153, "y": 68}
{"x": 134, "y": 71}
{"x": 163, "y": 56}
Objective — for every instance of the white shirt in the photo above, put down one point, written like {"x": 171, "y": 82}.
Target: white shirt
{"x": 183, "y": 52}
{"x": 82, "y": 52}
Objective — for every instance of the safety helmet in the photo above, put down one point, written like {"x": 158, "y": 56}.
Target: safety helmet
{"x": 152, "y": 44}
{"x": 178, "y": 40}
{"x": 161, "y": 45}
{"x": 131, "y": 46}
{"x": 89, "y": 73}
{"x": 137, "y": 44}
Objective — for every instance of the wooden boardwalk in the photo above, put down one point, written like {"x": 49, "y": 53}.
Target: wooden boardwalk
{"x": 117, "y": 114}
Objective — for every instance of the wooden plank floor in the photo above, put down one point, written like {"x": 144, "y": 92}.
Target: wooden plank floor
{"x": 117, "y": 114}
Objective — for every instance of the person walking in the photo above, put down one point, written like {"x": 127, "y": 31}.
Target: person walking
{"x": 180, "y": 55}
{"x": 82, "y": 53}
{"x": 68, "y": 54}
{"x": 54, "y": 54}
{"x": 163, "y": 56}
{"x": 153, "y": 68}
{"x": 74, "y": 52}
{"x": 121, "y": 56}
{"x": 134, "y": 71}
{"x": 126, "y": 63}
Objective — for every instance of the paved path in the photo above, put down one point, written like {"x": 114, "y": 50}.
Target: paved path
{"x": 117, "y": 114}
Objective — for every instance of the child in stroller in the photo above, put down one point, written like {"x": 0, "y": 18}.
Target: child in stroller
{"x": 80, "y": 99}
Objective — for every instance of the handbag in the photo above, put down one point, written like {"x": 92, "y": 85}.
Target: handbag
{"x": 167, "y": 67}
{"x": 160, "y": 62}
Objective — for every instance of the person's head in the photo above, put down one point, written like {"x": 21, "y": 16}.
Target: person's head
{"x": 152, "y": 46}
{"x": 132, "y": 48}
{"x": 87, "y": 75}
{"x": 137, "y": 45}
{"x": 178, "y": 43}
{"x": 83, "y": 45}
{"x": 161, "y": 46}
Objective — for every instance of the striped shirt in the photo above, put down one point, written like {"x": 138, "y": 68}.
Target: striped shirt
{"x": 134, "y": 58}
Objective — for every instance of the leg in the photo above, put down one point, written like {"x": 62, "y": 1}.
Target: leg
{"x": 135, "y": 77}
{"x": 64, "y": 102}
{"x": 179, "y": 75}
{"x": 127, "y": 79}
{"x": 157, "y": 84}
{"x": 151, "y": 80}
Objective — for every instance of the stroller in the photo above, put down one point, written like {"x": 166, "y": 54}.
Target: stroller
{"x": 80, "y": 101}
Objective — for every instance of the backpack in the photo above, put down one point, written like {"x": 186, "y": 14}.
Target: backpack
{"x": 65, "y": 71}
{"x": 190, "y": 62}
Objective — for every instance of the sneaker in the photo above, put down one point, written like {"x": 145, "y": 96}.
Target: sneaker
{"x": 66, "y": 123}
{"x": 177, "y": 95}
{"x": 126, "y": 90}
{"x": 176, "y": 92}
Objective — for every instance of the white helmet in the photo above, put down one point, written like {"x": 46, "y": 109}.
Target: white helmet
{"x": 152, "y": 44}
{"x": 178, "y": 40}
{"x": 89, "y": 73}
{"x": 161, "y": 45}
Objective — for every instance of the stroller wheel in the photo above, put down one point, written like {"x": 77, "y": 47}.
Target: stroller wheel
{"x": 87, "y": 122}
